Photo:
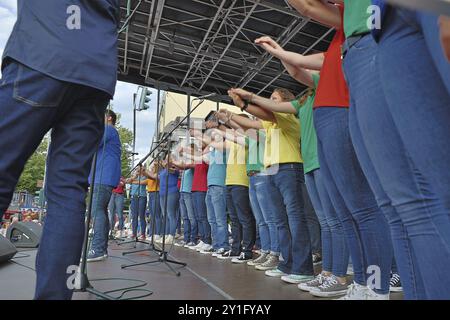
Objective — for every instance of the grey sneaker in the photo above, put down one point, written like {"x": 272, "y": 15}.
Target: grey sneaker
{"x": 330, "y": 288}
{"x": 270, "y": 263}
{"x": 260, "y": 260}
{"x": 308, "y": 286}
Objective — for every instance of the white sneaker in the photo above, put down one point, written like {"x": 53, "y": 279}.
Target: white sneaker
{"x": 219, "y": 252}
{"x": 372, "y": 295}
{"x": 157, "y": 238}
{"x": 355, "y": 292}
{"x": 275, "y": 273}
{"x": 200, "y": 244}
{"x": 207, "y": 249}
{"x": 169, "y": 239}
{"x": 202, "y": 247}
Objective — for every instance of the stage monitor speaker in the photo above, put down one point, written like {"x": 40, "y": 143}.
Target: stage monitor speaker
{"x": 7, "y": 249}
{"x": 24, "y": 234}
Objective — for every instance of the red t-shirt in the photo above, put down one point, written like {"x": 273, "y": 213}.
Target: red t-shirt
{"x": 200, "y": 180}
{"x": 119, "y": 188}
{"x": 332, "y": 90}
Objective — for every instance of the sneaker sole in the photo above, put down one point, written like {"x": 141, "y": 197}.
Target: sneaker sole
{"x": 321, "y": 294}
{"x": 395, "y": 289}
{"x": 290, "y": 281}
{"x": 305, "y": 289}
{"x": 276, "y": 276}
{"x": 102, "y": 258}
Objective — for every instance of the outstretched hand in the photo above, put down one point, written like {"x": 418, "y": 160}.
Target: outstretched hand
{"x": 268, "y": 44}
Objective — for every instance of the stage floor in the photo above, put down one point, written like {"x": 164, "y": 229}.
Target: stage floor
{"x": 204, "y": 278}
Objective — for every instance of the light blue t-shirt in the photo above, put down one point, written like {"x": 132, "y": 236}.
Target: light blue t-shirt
{"x": 186, "y": 181}
{"x": 139, "y": 190}
{"x": 217, "y": 168}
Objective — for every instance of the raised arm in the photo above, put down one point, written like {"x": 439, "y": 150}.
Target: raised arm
{"x": 268, "y": 104}
{"x": 252, "y": 109}
{"x": 319, "y": 10}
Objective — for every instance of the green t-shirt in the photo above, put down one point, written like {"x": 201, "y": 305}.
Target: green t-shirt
{"x": 356, "y": 17}
{"x": 308, "y": 132}
{"x": 255, "y": 159}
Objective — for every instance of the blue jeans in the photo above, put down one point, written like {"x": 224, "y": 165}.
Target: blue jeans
{"x": 116, "y": 207}
{"x": 312, "y": 222}
{"x": 334, "y": 245}
{"x": 241, "y": 205}
{"x": 236, "y": 227}
{"x": 137, "y": 207}
{"x": 284, "y": 187}
{"x": 171, "y": 220}
{"x": 155, "y": 213}
{"x": 263, "y": 228}
{"x": 216, "y": 204}
{"x": 102, "y": 195}
{"x": 368, "y": 234}
{"x": 269, "y": 211}
{"x": 187, "y": 212}
{"x": 405, "y": 43}
{"x": 31, "y": 104}
{"x": 201, "y": 213}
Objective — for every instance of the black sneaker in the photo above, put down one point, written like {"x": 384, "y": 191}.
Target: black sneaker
{"x": 228, "y": 255}
{"x": 317, "y": 258}
{"x": 242, "y": 258}
{"x": 395, "y": 284}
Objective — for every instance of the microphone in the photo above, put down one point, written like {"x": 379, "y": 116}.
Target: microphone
{"x": 211, "y": 95}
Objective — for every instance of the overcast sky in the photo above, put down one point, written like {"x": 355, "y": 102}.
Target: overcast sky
{"x": 124, "y": 94}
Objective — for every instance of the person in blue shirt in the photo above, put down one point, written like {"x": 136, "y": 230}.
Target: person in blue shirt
{"x": 138, "y": 204}
{"x": 107, "y": 177}
{"x": 59, "y": 71}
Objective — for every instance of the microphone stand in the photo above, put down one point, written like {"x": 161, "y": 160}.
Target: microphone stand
{"x": 163, "y": 257}
{"x": 152, "y": 248}
{"x": 82, "y": 283}
{"x": 163, "y": 254}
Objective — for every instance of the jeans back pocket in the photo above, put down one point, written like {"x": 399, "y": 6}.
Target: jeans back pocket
{"x": 37, "y": 89}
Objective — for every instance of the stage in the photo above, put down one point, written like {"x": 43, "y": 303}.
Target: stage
{"x": 204, "y": 278}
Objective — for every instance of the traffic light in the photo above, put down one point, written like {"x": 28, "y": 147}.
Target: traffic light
{"x": 145, "y": 99}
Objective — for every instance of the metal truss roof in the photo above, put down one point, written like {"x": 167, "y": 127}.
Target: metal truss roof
{"x": 204, "y": 46}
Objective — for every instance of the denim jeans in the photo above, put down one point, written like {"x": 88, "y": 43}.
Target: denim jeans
{"x": 31, "y": 103}
{"x": 241, "y": 203}
{"x": 263, "y": 228}
{"x": 334, "y": 245}
{"x": 312, "y": 222}
{"x": 284, "y": 187}
{"x": 216, "y": 204}
{"x": 100, "y": 201}
{"x": 116, "y": 207}
{"x": 201, "y": 213}
{"x": 138, "y": 207}
{"x": 155, "y": 213}
{"x": 269, "y": 211}
{"x": 417, "y": 163}
{"x": 189, "y": 220}
{"x": 170, "y": 220}
{"x": 367, "y": 231}
{"x": 236, "y": 227}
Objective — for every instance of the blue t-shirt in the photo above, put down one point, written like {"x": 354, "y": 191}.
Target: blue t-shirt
{"x": 217, "y": 168}
{"x": 139, "y": 189}
{"x": 173, "y": 182}
{"x": 109, "y": 164}
{"x": 186, "y": 181}
{"x": 69, "y": 40}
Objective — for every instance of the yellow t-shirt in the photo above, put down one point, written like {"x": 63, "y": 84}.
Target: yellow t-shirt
{"x": 236, "y": 165}
{"x": 152, "y": 186}
{"x": 282, "y": 140}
